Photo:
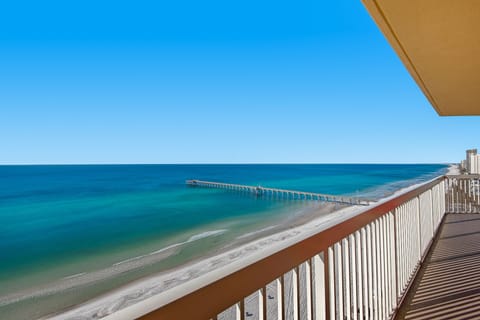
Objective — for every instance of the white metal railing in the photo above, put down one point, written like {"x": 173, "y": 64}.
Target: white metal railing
{"x": 463, "y": 194}
{"x": 358, "y": 269}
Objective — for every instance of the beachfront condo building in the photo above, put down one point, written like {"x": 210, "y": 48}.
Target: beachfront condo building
{"x": 472, "y": 162}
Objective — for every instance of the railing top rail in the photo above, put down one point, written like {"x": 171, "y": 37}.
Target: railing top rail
{"x": 464, "y": 176}
{"x": 188, "y": 301}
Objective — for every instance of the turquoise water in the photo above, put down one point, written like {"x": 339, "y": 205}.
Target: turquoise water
{"x": 59, "y": 221}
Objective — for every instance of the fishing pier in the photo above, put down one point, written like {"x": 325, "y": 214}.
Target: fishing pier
{"x": 279, "y": 193}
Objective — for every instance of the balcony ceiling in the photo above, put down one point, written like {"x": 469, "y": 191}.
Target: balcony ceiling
{"x": 439, "y": 43}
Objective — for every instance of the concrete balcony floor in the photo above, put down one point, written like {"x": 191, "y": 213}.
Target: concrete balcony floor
{"x": 448, "y": 284}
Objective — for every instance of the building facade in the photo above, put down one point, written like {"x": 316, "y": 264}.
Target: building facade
{"x": 472, "y": 162}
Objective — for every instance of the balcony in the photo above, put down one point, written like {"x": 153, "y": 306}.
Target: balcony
{"x": 413, "y": 256}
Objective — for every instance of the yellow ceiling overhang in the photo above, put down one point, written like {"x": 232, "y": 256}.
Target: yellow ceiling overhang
{"x": 439, "y": 43}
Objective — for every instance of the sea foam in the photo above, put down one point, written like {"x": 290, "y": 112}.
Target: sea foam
{"x": 193, "y": 238}
{"x": 206, "y": 234}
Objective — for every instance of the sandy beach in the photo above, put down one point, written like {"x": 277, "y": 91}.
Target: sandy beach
{"x": 237, "y": 251}
{"x": 217, "y": 264}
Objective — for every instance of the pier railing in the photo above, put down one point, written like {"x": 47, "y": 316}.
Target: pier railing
{"x": 360, "y": 268}
{"x": 280, "y": 193}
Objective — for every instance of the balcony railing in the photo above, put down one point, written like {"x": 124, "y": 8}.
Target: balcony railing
{"x": 463, "y": 194}
{"x": 360, "y": 268}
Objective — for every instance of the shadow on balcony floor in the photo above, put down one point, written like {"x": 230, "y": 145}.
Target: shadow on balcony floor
{"x": 448, "y": 286}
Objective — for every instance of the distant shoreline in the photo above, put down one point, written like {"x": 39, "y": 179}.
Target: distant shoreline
{"x": 219, "y": 261}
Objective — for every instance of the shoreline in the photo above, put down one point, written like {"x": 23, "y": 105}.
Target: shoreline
{"x": 219, "y": 261}
{"x": 242, "y": 247}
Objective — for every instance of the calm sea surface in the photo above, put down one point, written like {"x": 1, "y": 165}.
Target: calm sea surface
{"x": 61, "y": 221}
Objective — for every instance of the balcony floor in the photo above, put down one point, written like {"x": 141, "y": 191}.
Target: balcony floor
{"x": 448, "y": 285}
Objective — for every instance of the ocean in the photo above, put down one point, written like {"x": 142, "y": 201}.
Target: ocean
{"x": 113, "y": 224}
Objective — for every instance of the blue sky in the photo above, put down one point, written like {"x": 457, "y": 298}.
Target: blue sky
{"x": 211, "y": 82}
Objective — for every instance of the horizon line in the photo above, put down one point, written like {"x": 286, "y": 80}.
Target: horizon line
{"x": 213, "y": 163}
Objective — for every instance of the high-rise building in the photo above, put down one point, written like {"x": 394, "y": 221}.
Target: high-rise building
{"x": 471, "y": 160}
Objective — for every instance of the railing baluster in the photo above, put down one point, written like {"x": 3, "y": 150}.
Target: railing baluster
{"x": 282, "y": 295}
{"x": 305, "y": 291}
{"x": 338, "y": 280}
{"x": 380, "y": 270}
{"x": 331, "y": 283}
{"x": 388, "y": 246}
{"x": 319, "y": 287}
{"x": 290, "y": 295}
{"x": 346, "y": 277}
{"x": 400, "y": 244}
{"x": 359, "y": 274}
{"x": 353, "y": 272}
{"x": 418, "y": 244}
{"x": 375, "y": 259}
{"x": 313, "y": 293}
{"x": 370, "y": 271}
{"x": 388, "y": 267}
{"x": 458, "y": 200}
{"x": 263, "y": 311}
{"x": 403, "y": 256}
{"x": 397, "y": 244}
{"x": 393, "y": 263}
{"x": 454, "y": 189}
{"x": 252, "y": 306}
{"x": 296, "y": 293}
{"x": 382, "y": 264}
{"x": 388, "y": 277}
{"x": 409, "y": 223}
{"x": 364, "y": 305}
